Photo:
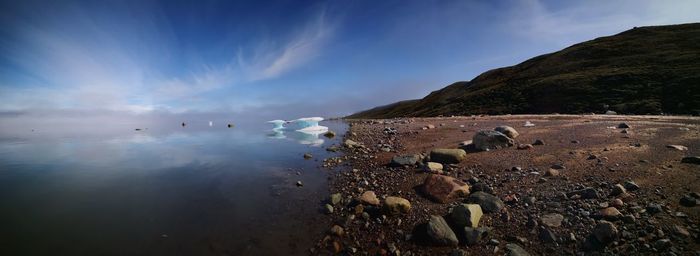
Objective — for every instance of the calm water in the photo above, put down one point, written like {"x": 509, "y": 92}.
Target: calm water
{"x": 196, "y": 190}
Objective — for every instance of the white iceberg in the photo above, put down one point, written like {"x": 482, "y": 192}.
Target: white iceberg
{"x": 310, "y": 124}
{"x": 278, "y": 124}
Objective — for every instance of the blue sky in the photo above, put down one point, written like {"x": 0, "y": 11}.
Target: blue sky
{"x": 281, "y": 58}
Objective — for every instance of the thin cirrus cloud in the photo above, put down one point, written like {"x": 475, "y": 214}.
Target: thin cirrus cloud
{"x": 89, "y": 67}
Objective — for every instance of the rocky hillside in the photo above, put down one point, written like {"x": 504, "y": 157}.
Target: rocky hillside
{"x": 645, "y": 70}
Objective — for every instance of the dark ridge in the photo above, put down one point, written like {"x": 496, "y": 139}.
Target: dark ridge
{"x": 645, "y": 70}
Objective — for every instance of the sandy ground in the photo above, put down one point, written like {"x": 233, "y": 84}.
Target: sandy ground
{"x": 640, "y": 156}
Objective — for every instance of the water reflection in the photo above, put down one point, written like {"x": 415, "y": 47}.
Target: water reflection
{"x": 311, "y": 138}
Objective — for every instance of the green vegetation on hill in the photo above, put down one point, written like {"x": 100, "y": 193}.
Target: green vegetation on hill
{"x": 645, "y": 70}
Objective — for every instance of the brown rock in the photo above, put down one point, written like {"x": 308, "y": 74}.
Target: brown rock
{"x": 444, "y": 189}
{"x": 368, "y": 197}
{"x": 396, "y": 205}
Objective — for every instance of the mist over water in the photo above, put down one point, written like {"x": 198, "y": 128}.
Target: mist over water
{"x": 107, "y": 189}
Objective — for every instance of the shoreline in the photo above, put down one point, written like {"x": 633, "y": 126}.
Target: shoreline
{"x": 600, "y": 158}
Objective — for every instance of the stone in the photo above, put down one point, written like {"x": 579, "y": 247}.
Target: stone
{"x": 547, "y": 235}
{"x": 459, "y": 252}
{"x": 662, "y": 244}
{"x": 466, "y": 215}
{"x": 691, "y": 160}
{"x": 586, "y": 193}
{"x": 299, "y": 184}
{"x": 538, "y": 142}
{"x": 368, "y": 197}
{"x": 481, "y": 187}
{"x": 489, "y": 203}
{"x": 430, "y": 126}
{"x": 610, "y": 112}
{"x": 688, "y": 201}
{"x": 508, "y": 131}
{"x": 677, "y": 147}
{"x": 447, "y": 155}
{"x": 552, "y": 220}
{"x": 337, "y": 230}
{"x": 680, "y": 231}
{"x": 308, "y": 156}
{"x": 474, "y": 235}
{"x": 551, "y": 172}
{"x": 439, "y": 232}
{"x": 404, "y": 160}
{"x": 329, "y": 208}
{"x": 515, "y": 250}
{"x": 433, "y": 167}
{"x": 631, "y": 186}
{"x": 617, "y": 203}
{"x": 623, "y": 126}
{"x": 605, "y": 232}
{"x": 329, "y": 134}
{"x": 336, "y": 198}
{"x": 396, "y": 205}
{"x": 617, "y": 190}
{"x": 653, "y": 208}
{"x": 490, "y": 140}
{"x": 444, "y": 189}
{"x": 610, "y": 213}
{"x": 525, "y": 146}
{"x": 352, "y": 144}
{"x": 528, "y": 124}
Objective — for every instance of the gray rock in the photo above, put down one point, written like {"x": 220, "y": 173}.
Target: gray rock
{"x": 688, "y": 201}
{"x": 662, "y": 244}
{"x": 336, "y": 198}
{"x": 490, "y": 140}
{"x": 653, "y": 208}
{"x": 516, "y": 250}
{"x": 552, "y": 220}
{"x": 547, "y": 235}
{"x": 440, "y": 232}
{"x": 691, "y": 160}
{"x": 489, "y": 203}
{"x": 631, "y": 186}
{"x": 538, "y": 142}
{"x": 308, "y": 156}
{"x": 677, "y": 147}
{"x": 403, "y": 160}
{"x": 508, "y": 131}
{"x": 466, "y": 215}
{"x": 447, "y": 155}
{"x": 586, "y": 193}
{"x": 474, "y": 235}
{"x": 352, "y": 144}
{"x": 617, "y": 190}
{"x": 605, "y": 232}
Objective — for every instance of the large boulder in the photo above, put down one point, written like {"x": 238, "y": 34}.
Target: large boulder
{"x": 444, "y": 189}
{"x": 466, "y": 215}
{"x": 447, "y": 155}
{"x": 403, "y": 160}
{"x": 508, "y": 131}
{"x": 396, "y": 205}
{"x": 440, "y": 232}
{"x": 489, "y": 203}
{"x": 490, "y": 140}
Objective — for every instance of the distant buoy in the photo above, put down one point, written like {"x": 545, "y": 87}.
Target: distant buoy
{"x": 230, "y": 125}
{"x": 183, "y": 124}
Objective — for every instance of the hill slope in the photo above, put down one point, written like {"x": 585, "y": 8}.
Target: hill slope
{"x": 639, "y": 71}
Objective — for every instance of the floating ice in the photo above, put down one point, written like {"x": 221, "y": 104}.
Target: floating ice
{"x": 278, "y": 124}
{"x": 310, "y": 124}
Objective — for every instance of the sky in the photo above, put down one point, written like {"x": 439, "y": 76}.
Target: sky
{"x": 279, "y": 59}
